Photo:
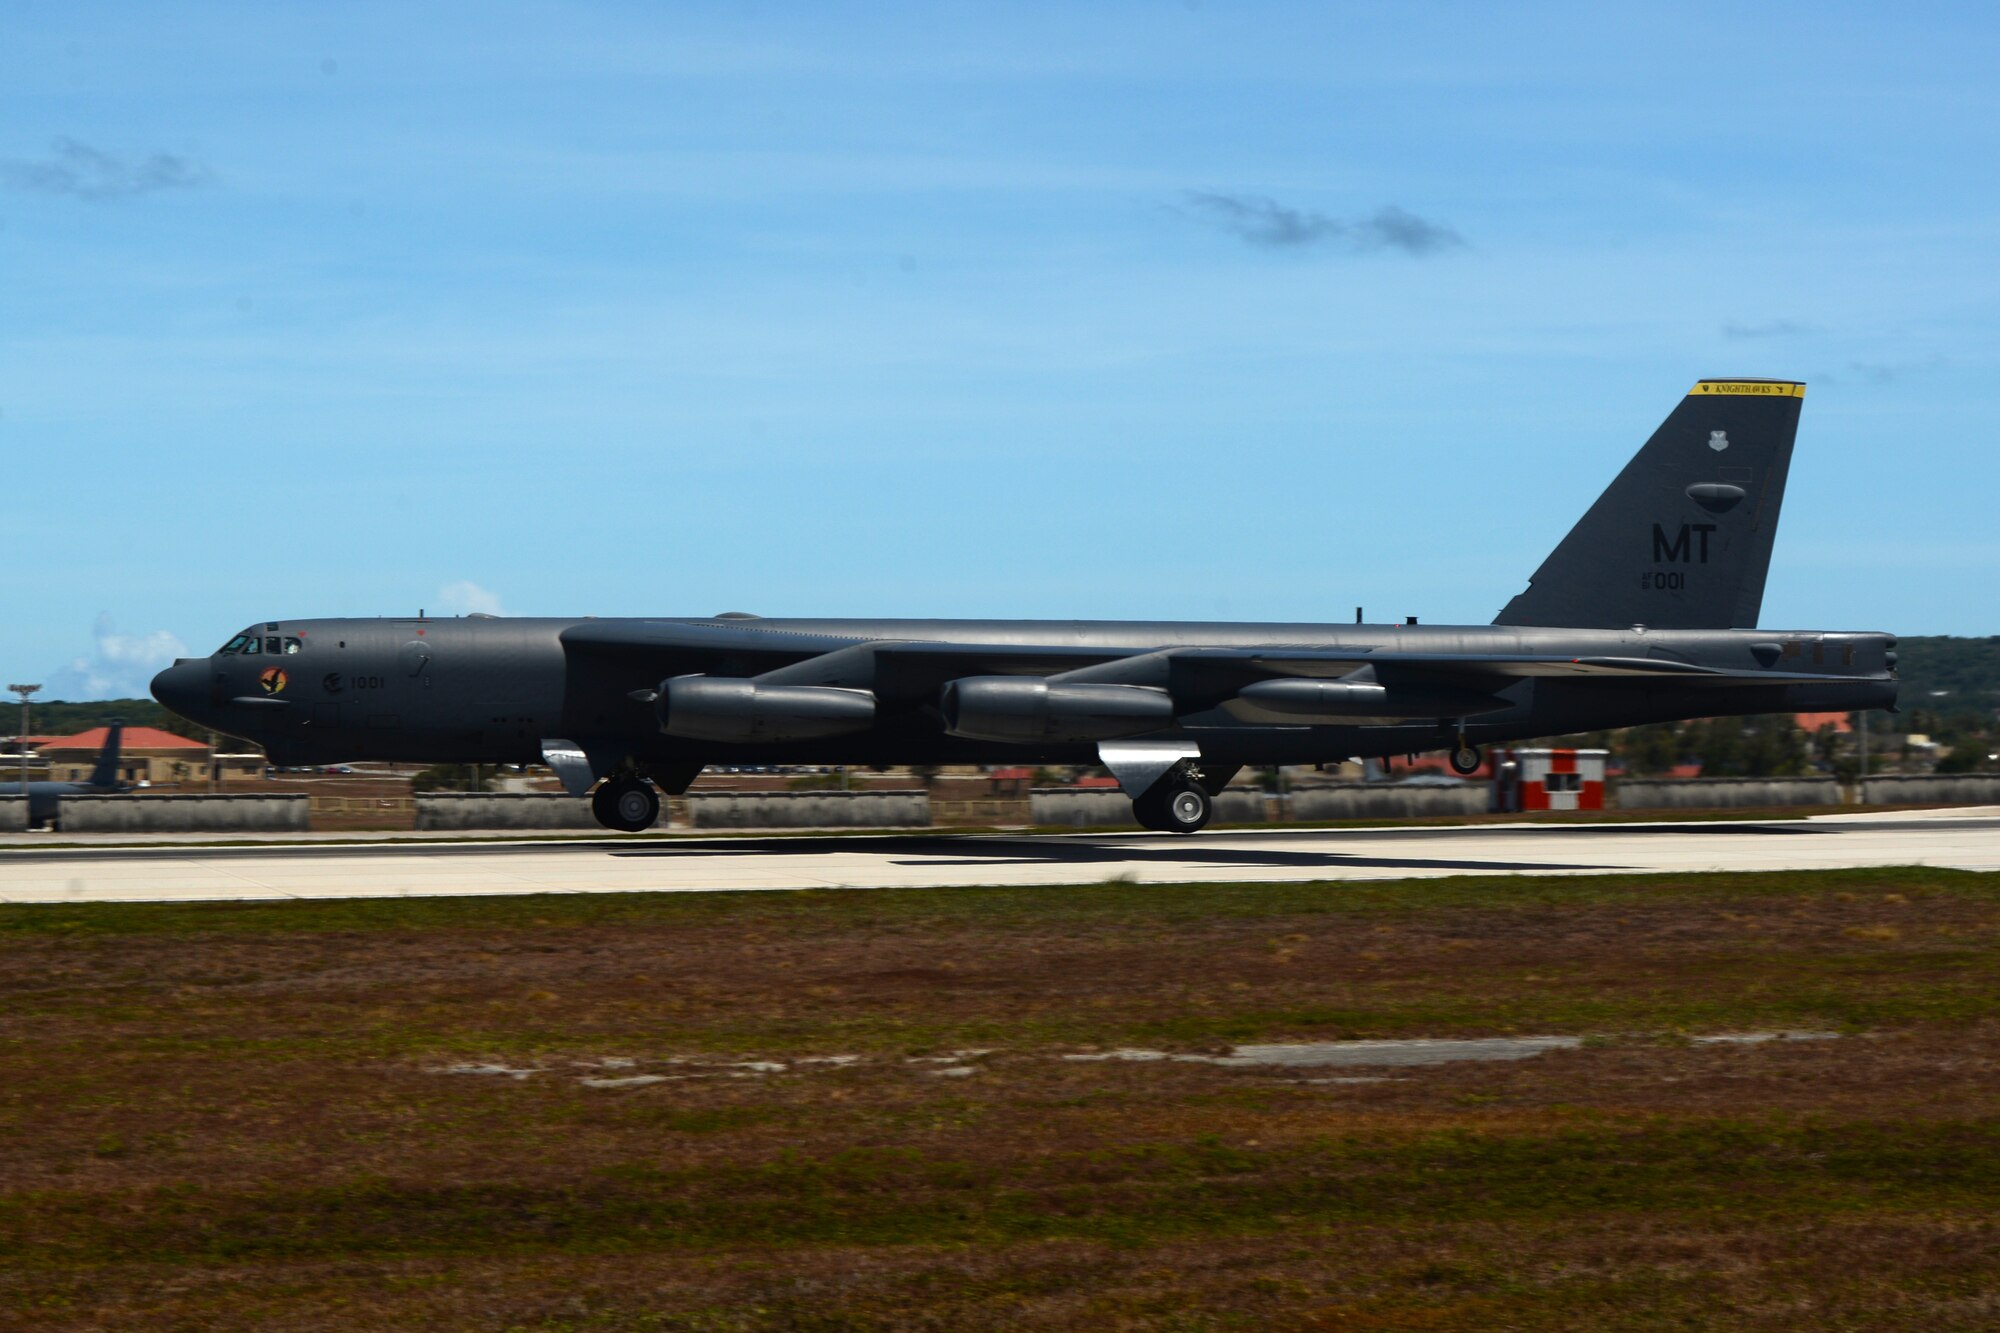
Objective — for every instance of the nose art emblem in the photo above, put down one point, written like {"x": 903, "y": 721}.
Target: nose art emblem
{"x": 273, "y": 681}
{"x": 331, "y": 682}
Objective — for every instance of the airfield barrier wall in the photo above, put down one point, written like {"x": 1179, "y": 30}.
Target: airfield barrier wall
{"x": 1079, "y": 807}
{"x": 504, "y": 810}
{"x": 1241, "y": 807}
{"x": 1070, "y": 808}
{"x": 984, "y": 812}
{"x": 809, "y": 809}
{"x": 1723, "y": 793}
{"x": 1386, "y": 800}
{"x": 1961, "y": 789}
{"x": 13, "y": 814}
{"x": 183, "y": 814}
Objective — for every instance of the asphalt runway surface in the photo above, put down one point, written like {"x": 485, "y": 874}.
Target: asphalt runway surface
{"x": 1960, "y": 839}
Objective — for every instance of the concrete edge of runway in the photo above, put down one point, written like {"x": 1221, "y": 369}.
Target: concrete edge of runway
{"x": 19, "y": 847}
{"x": 300, "y": 869}
{"x": 111, "y": 845}
{"x": 557, "y": 837}
{"x": 42, "y": 843}
{"x": 26, "y": 846}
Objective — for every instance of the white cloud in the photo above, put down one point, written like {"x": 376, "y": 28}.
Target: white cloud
{"x": 78, "y": 169}
{"x": 466, "y": 597}
{"x": 118, "y": 666}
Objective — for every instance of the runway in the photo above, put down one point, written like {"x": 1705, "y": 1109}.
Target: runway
{"x": 1961, "y": 839}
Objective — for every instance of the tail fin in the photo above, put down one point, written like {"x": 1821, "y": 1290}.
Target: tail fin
{"x": 1682, "y": 539}
{"x": 106, "y": 773}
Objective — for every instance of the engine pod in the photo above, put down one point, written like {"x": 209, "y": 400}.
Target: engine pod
{"x": 740, "y": 712}
{"x": 1029, "y": 708}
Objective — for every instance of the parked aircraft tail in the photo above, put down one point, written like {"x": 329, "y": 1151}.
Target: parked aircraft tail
{"x": 106, "y": 773}
{"x": 1682, "y": 539}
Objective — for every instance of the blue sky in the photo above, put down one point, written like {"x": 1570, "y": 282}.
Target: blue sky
{"x": 1148, "y": 309}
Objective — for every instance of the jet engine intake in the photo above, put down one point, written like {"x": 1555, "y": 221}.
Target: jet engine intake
{"x": 738, "y": 711}
{"x": 1030, "y": 708}
{"x": 1297, "y": 699}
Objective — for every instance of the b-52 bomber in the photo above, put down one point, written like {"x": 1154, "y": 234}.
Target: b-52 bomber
{"x": 1645, "y": 612}
{"x": 45, "y": 797}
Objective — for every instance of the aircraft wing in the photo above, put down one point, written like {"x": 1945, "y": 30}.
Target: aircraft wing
{"x": 897, "y": 670}
{"x": 901, "y": 671}
{"x": 1338, "y": 662}
{"x": 683, "y": 639}
{"x": 1203, "y": 675}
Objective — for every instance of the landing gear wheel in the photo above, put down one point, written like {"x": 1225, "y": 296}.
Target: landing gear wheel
{"x": 1174, "y": 805}
{"x": 1465, "y": 760}
{"x": 629, "y": 805}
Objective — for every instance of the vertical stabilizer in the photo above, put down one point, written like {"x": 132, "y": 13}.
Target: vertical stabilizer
{"x": 105, "y": 775}
{"x": 1682, "y": 539}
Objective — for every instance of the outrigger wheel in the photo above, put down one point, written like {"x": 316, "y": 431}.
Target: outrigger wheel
{"x": 1174, "y": 804}
{"x": 629, "y": 805}
{"x": 1465, "y": 760}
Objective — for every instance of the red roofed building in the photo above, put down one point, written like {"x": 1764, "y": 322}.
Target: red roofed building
{"x": 146, "y": 754}
{"x": 1842, "y": 722}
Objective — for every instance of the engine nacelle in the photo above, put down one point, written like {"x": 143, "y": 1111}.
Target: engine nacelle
{"x": 1029, "y": 708}
{"x": 1298, "y": 699}
{"x": 740, "y": 712}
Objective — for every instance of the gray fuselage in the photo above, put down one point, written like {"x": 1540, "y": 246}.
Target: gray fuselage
{"x": 491, "y": 690}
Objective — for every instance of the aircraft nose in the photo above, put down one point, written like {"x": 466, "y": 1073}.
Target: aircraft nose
{"x": 181, "y": 687}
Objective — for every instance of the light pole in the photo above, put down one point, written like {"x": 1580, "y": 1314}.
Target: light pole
{"x": 26, "y": 692}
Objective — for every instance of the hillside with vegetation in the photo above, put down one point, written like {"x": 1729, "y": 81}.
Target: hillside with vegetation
{"x": 1942, "y": 673}
{"x": 64, "y": 718}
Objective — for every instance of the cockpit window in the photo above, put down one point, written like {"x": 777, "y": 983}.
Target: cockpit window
{"x": 247, "y": 644}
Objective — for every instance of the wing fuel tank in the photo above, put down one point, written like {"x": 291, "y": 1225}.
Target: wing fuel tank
{"x": 738, "y": 712}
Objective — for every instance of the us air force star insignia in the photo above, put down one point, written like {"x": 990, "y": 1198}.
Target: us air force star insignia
{"x": 1718, "y": 440}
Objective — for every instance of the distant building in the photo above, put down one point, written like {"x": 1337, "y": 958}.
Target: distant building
{"x": 146, "y": 755}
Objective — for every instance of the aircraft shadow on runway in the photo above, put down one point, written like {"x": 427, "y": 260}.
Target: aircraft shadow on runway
{"x": 1719, "y": 826}
{"x": 963, "y": 851}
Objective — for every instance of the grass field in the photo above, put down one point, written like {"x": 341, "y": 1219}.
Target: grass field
{"x": 852, "y": 1110}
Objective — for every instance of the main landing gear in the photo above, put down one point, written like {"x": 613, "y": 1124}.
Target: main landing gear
{"x": 630, "y": 805}
{"x": 1466, "y": 759}
{"x": 1174, "y": 804}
